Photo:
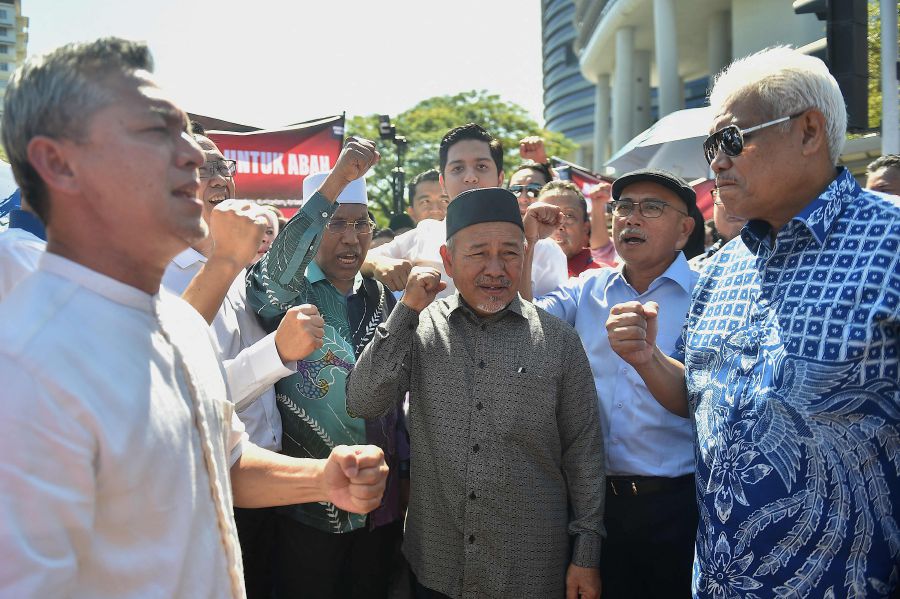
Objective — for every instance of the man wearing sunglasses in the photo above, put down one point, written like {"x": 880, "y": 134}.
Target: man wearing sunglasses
{"x": 320, "y": 550}
{"x": 790, "y": 369}
{"x": 526, "y": 182}
{"x": 651, "y": 511}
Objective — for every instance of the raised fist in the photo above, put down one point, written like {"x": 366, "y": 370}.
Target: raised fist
{"x": 631, "y": 328}
{"x": 300, "y": 333}
{"x": 541, "y": 220}
{"x": 357, "y": 157}
{"x": 532, "y": 148}
{"x": 354, "y": 476}
{"x": 393, "y": 272}
{"x": 236, "y": 226}
{"x": 423, "y": 285}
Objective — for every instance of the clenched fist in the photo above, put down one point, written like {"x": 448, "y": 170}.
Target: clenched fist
{"x": 300, "y": 333}
{"x": 357, "y": 157}
{"x": 354, "y": 477}
{"x": 541, "y": 220}
{"x": 631, "y": 328}
{"x": 423, "y": 285}
{"x": 393, "y": 272}
{"x": 236, "y": 226}
{"x": 532, "y": 148}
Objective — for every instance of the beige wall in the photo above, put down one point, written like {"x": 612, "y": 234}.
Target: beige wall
{"x": 758, "y": 24}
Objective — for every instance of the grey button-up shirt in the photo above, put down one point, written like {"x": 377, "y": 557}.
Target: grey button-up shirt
{"x": 507, "y": 455}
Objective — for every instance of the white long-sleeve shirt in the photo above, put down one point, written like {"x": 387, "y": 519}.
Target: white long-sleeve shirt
{"x": 116, "y": 439}
{"x": 250, "y": 357}
{"x": 422, "y": 247}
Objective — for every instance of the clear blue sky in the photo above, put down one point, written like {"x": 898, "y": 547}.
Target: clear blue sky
{"x": 273, "y": 62}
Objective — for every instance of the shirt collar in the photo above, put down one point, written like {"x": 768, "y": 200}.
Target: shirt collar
{"x": 188, "y": 258}
{"x": 679, "y": 272}
{"x": 818, "y": 217}
{"x": 456, "y": 302}
{"x": 314, "y": 274}
{"x": 96, "y": 282}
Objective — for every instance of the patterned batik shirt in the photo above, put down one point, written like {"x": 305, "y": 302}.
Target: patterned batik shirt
{"x": 507, "y": 451}
{"x": 312, "y": 402}
{"x": 792, "y": 375}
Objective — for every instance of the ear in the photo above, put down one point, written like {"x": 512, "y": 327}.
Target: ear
{"x": 502, "y": 179}
{"x": 814, "y": 135}
{"x": 687, "y": 227}
{"x": 48, "y": 157}
{"x": 447, "y": 260}
{"x": 441, "y": 181}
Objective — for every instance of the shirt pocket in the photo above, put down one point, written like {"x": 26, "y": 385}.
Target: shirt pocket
{"x": 527, "y": 410}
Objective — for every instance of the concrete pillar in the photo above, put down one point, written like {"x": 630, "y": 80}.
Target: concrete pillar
{"x": 890, "y": 113}
{"x": 642, "y": 117}
{"x": 601, "y": 122}
{"x": 624, "y": 85}
{"x": 666, "y": 56}
{"x": 718, "y": 50}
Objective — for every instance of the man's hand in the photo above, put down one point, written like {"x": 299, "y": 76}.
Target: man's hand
{"x": 393, "y": 272}
{"x": 541, "y": 220}
{"x": 600, "y": 195}
{"x": 354, "y": 477}
{"x": 357, "y": 157}
{"x": 582, "y": 583}
{"x": 631, "y": 329}
{"x": 300, "y": 333}
{"x": 237, "y": 227}
{"x": 423, "y": 285}
{"x": 532, "y": 148}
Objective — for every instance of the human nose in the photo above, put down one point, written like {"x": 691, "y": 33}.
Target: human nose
{"x": 494, "y": 266}
{"x": 720, "y": 161}
{"x": 471, "y": 176}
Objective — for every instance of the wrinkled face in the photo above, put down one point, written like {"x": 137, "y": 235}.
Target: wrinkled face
{"x": 647, "y": 242}
{"x": 531, "y": 182}
{"x": 885, "y": 180}
{"x": 341, "y": 254}
{"x": 469, "y": 166}
{"x": 215, "y": 186}
{"x": 573, "y": 235}
{"x": 268, "y": 236}
{"x": 136, "y": 170}
{"x": 747, "y": 182}
{"x": 727, "y": 226}
{"x": 430, "y": 201}
{"x": 485, "y": 263}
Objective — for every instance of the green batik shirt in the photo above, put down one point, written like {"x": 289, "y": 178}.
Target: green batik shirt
{"x": 312, "y": 402}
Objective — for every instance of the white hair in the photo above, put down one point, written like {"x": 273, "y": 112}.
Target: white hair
{"x": 786, "y": 82}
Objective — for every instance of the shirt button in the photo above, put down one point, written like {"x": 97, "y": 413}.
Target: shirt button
{"x": 475, "y": 448}
{"x": 619, "y": 404}
{"x": 481, "y": 364}
{"x": 471, "y": 539}
{"x": 478, "y": 406}
{"x": 324, "y": 215}
{"x": 472, "y": 496}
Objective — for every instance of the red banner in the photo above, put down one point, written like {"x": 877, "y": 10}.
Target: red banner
{"x": 271, "y": 164}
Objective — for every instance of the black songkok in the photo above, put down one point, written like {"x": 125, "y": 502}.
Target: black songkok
{"x": 489, "y": 205}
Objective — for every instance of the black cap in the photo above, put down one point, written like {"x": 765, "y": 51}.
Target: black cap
{"x": 488, "y": 205}
{"x": 668, "y": 180}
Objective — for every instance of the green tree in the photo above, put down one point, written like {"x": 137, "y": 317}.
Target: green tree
{"x": 874, "y": 37}
{"x": 426, "y": 123}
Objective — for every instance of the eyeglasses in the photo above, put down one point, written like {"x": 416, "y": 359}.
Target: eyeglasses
{"x": 570, "y": 218}
{"x": 648, "y": 208}
{"x": 730, "y": 139}
{"x": 531, "y": 190}
{"x": 211, "y": 168}
{"x": 362, "y": 226}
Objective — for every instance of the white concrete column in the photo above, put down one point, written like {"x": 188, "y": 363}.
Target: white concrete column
{"x": 601, "y": 122}
{"x": 642, "y": 117}
{"x": 666, "y": 56}
{"x": 890, "y": 113}
{"x": 624, "y": 88}
{"x": 718, "y": 50}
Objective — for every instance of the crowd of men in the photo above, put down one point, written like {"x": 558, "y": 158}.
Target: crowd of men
{"x": 533, "y": 392}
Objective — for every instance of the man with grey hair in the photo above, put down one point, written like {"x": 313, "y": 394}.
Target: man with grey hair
{"x": 883, "y": 174}
{"x": 118, "y": 439}
{"x": 790, "y": 351}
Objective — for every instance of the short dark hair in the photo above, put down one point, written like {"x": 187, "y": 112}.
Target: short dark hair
{"x": 431, "y": 174}
{"x": 534, "y": 166}
{"x": 569, "y": 187}
{"x": 386, "y": 232}
{"x": 197, "y": 128}
{"x": 471, "y": 131}
{"x": 886, "y": 161}
{"x": 55, "y": 95}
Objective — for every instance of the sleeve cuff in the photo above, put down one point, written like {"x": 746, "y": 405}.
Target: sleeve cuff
{"x": 319, "y": 210}
{"x": 586, "y": 552}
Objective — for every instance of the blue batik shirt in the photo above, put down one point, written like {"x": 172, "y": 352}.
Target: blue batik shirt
{"x": 791, "y": 356}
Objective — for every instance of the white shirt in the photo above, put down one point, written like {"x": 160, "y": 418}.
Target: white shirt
{"x": 19, "y": 254}
{"x": 251, "y": 360}
{"x": 105, "y": 484}
{"x": 422, "y": 247}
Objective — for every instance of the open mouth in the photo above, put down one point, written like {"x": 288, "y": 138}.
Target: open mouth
{"x": 632, "y": 237}
{"x": 347, "y": 259}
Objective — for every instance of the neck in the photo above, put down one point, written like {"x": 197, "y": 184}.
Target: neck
{"x": 139, "y": 272}
{"x": 807, "y": 191}
{"x": 343, "y": 286}
{"x": 640, "y": 277}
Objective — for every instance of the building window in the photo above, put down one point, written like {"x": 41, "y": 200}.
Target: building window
{"x": 3, "y": 14}
{"x": 4, "y": 66}
{"x": 4, "y": 49}
{"x": 4, "y": 31}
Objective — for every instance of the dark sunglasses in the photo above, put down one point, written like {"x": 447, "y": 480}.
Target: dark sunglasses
{"x": 532, "y": 189}
{"x": 730, "y": 139}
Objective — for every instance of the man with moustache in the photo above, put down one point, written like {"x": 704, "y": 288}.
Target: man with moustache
{"x": 470, "y": 158}
{"x": 507, "y": 466}
{"x": 120, "y": 448}
{"x": 651, "y": 513}
{"x": 319, "y": 550}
